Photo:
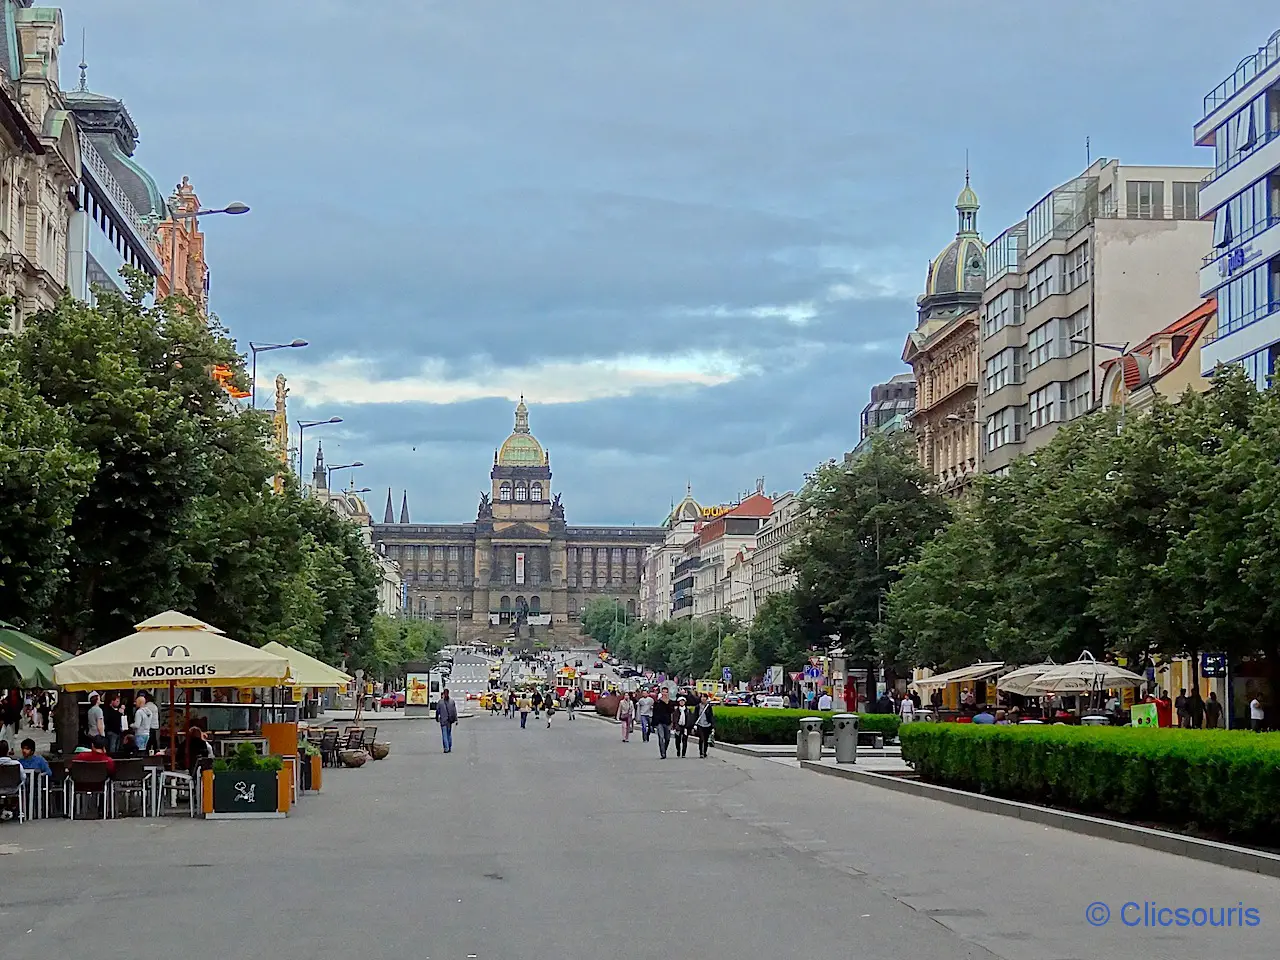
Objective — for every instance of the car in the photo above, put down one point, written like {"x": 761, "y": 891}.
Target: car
{"x": 577, "y": 663}
{"x": 737, "y": 700}
{"x": 393, "y": 699}
{"x": 597, "y": 665}
{"x": 778, "y": 703}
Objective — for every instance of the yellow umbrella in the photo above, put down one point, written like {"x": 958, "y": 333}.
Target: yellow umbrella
{"x": 306, "y": 670}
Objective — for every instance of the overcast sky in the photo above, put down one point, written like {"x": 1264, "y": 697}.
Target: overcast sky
{"x": 691, "y": 233}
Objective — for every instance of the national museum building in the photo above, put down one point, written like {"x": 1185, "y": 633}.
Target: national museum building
{"x": 519, "y": 559}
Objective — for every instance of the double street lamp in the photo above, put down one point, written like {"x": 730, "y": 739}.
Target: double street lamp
{"x": 257, "y": 348}
{"x": 303, "y": 425}
{"x": 235, "y": 209}
{"x": 329, "y": 471}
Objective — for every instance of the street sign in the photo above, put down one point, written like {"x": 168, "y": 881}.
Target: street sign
{"x": 776, "y": 674}
{"x": 813, "y": 673}
{"x": 1213, "y": 664}
{"x": 727, "y": 674}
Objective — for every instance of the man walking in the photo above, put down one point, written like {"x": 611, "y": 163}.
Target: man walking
{"x": 644, "y": 713}
{"x": 663, "y": 709}
{"x": 703, "y": 724}
{"x": 525, "y": 706}
{"x": 446, "y": 716}
{"x": 626, "y": 714}
{"x": 537, "y": 703}
{"x": 97, "y": 726}
{"x": 141, "y": 725}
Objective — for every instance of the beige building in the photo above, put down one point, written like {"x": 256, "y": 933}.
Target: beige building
{"x": 39, "y": 160}
{"x": 740, "y": 597}
{"x": 1100, "y": 263}
{"x": 718, "y": 543}
{"x": 943, "y": 354}
{"x": 1166, "y": 364}
{"x": 781, "y": 531}
{"x": 657, "y": 592}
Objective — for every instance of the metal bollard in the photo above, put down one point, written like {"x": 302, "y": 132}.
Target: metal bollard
{"x": 809, "y": 739}
{"x": 846, "y": 725}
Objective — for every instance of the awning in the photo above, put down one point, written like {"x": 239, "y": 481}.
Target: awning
{"x": 1021, "y": 681}
{"x": 976, "y": 671}
{"x": 306, "y": 670}
{"x": 172, "y": 649}
{"x": 25, "y": 662}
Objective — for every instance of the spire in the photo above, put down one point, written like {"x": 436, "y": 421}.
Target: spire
{"x": 967, "y": 205}
{"x": 389, "y": 515}
{"x": 522, "y": 416}
{"x": 318, "y": 478}
{"x": 404, "y": 507}
{"x": 84, "y": 67}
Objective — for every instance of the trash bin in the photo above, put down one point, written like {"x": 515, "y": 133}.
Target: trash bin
{"x": 809, "y": 739}
{"x": 846, "y": 737}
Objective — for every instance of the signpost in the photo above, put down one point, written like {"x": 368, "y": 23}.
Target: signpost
{"x": 726, "y": 674}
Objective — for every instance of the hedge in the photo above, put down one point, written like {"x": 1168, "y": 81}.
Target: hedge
{"x": 765, "y": 725}
{"x": 1218, "y": 781}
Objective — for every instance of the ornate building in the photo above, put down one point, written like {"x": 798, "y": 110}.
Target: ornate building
{"x": 180, "y": 244}
{"x": 519, "y": 561}
{"x": 39, "y": 159}
{"x": 943, "y": 353}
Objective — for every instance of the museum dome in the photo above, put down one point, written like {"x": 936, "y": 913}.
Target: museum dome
{"x": 962, "y": 264}
{"x": 522, "y": 448}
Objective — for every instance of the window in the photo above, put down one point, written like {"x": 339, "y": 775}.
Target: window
{"x": 1045, "y": 405}
{"x": 1005, "y": 253}
{"x": 1040, "y": 347}
{"x": 535, "y": 493}
{"x": 504, "y": 491}
{"x": 1003, "y": 311}
{"x": 1076, "y": 331}
{"x": 1243, "y": 216}
{"x": 1079, "y": 396}
{"x": 1186, "y": 200}
{"x": 453, "y": 554}
{"x": 1077, "y": 267}
{"x": 1005, "y": 426}
{"x": 1144, "y": 199}
{"x": 1107, "y": 202}
{"x": 522, "y": 492}
{"x": 1044, "y": 280}
{"x": 1244, "y": 299}
{"x": 1003, "y": 369}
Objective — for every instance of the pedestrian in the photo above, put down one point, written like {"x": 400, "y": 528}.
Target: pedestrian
{"x": 681, "y": 721}
{"x": 568, "y": 704}
{"x": 907, "y": 710}
{"x": 141, "y": 725}
{"x": 1195, "y": 709}
{"x": 661, "y": 720}
{"x": 1180, "y": 708}
{"x": 97, "y": 726}
{"x": 525, "y": 706}
{"x": 1256, "y": 715}
{"x": 115, "y": 723}
{"x": 537, "y": 703}
{"x": 704, "y": 725}
{"x": 550, "y": 703}
{"x": 43, "y": 710}
{"x": 935, "y": 701}
{"x": 824, "y": 701}
{"x": 626, "y": 717}
{"x": 446, "y": 716}
{"x": 1213, "y": 712}
{"x": 10, "y": 715}
{"x": 644, "y": 713}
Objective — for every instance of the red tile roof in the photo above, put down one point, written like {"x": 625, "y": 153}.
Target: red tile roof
{"x": 1182, "y": 334}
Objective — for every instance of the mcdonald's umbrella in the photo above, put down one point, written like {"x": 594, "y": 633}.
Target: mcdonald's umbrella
{"x": 176, "y": 650}
{"x": 25, "y": 662}
{"x": 306, "y": 670}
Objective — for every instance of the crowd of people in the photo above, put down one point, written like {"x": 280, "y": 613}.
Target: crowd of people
{"x": 669, "y": 721}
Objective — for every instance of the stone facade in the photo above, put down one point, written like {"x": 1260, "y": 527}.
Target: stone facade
{"x": 180, "y": 241}
{"x": 519, "y": 561}
{"x": 39, "y": 160}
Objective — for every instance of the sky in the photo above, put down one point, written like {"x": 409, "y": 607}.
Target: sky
{"x": 691, "y": 234}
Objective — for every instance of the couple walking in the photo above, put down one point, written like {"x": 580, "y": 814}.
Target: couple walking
{"x": 670, "y": 720}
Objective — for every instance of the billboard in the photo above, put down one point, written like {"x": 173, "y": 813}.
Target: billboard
{"x": 519, "y": 568}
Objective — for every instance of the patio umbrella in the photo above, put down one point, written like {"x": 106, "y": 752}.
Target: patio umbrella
{"x": 975, "y": 671}
{"x": 1019, "y": 681}
{"x": 1085, "y": 676}
{"x": 306, "y": 670}
{"x": 25, "y": 662}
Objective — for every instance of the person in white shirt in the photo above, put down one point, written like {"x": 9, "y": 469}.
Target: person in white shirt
{"x": 1256, "y": 715}
{"x": 644, "y": 714}
{"x": 824, "y": 701}
{"x": 142, "y": 724}
{"x": 907, "y": 710}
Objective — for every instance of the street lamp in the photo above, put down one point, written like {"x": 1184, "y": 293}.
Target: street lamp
{"x": 302, "y": 428}
{"x": 328, "y": 480}
{"x": 457, "y": 624}
{"x": 257, "y": 348}
{"x": 1123, "y": 351}
{"x": 235, "y": 209}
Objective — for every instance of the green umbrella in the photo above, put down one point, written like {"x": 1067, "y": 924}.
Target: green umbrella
{"x": 25, "y": 662}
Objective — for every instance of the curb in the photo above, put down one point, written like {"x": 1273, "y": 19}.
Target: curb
{"x": 1209, "y": 851}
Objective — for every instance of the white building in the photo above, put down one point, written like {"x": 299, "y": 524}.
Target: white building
{"x": 719, "y": 541}
{"x": 776, "y": 537}
{"x": 1241, "y": 121}
{"x": 741, "y": 596}
{"x": 657, "y": 584}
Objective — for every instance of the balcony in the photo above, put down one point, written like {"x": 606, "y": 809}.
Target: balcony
{"x": 1254, "y": 73}
{"x": 1260, "y": 329}
{"x": 1260, "y": 242}
{"x": 1240, "y": 172}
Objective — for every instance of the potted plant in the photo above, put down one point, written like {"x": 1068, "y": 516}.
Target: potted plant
{"x": 245, "y": 785}
{"x": 312, "y": 763}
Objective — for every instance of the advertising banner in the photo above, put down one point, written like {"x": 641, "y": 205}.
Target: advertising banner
{"x": 417, "y": 691}
{"x": 1144, "y": 715}
{"x": 519, "y": 568}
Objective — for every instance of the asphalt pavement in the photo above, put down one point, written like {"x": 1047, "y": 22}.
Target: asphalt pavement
{"x": 536, "y": 842}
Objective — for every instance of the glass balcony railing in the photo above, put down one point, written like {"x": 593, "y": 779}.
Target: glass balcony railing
{"x": 1238, "y": 158}
{"x": 1248, "y": 68}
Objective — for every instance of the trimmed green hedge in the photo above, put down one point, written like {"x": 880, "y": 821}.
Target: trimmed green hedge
{"x": 765, "y": 725}
{"x": 1225, "y": 782}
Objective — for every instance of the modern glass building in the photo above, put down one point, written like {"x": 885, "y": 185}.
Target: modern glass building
{"x": 1241, "y": 121}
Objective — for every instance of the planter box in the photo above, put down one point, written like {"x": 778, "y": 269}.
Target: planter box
{"x": 245, "y": 795}
{"x": 316, "y": 768}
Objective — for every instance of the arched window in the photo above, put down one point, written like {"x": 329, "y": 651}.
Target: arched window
{"x": 573, "y": 607}
{"x": 453, "y": 606}
{"x": 504, "y": 491}
{"x": 522, "y": 492}
{"x": 631, "y": 608}
{"x": 439, "y": 604}
{"x": 504, "y": 604}
{"x": 535, "y": 605}
{"x": 423, "y": 609}
{"x": 535, "y": 493}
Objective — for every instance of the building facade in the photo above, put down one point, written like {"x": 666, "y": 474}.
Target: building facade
{"x": 1101, "y": 262}
{"x": 519, "y": 561}
{"x": 779, "y": 533}
{"x": 1166, "y": 364}
{"x": 657, "y": 592}
{"x": 117, "y": 201}
{"x": 39, "y": 160}
{"x": 891, "y": 403}
{"x": 719, "y": 541}
{"x": 180, "y": 246}
{"x": 1241, "y": 194}
{"x": 943, "y": 354}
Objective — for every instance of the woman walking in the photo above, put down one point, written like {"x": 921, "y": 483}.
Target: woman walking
{"x": 550, "y": 703}
{"x": 704, "y": 724}
{"x": 681, "y": 721}
{"x": 626, "y": 717}
{"x": 525, "y": 706}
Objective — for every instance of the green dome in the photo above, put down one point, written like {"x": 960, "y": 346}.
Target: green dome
{"x": 521, "y": 450}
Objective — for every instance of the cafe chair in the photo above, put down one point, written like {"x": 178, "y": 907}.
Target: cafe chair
{"x": 87, "y": 779}
{"x": 11, "y": 785}
{"x": 180, "y": 782}
{"x": 131, "y": 778}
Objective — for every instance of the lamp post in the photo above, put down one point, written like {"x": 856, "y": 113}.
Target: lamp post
{"x": 302, "y": 428}
{"x": 235, "y": 209}
{"x": 328, "y": 480}
{"x": 457, "y": 624}
{"x": 257, "y": 348}
{"x": 1123, "y": 351}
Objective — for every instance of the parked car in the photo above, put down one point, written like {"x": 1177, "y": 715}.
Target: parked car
{"x": 393, "y": 699}
{"x": 597, "y": 665}
{"x": 779, "y": 703}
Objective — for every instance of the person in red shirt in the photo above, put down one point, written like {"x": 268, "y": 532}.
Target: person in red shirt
{"x": 96, "y": 754}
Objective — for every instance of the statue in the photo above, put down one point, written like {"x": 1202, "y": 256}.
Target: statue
{"x": 557, "y": 509}
{"x": 486, "y": 508}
